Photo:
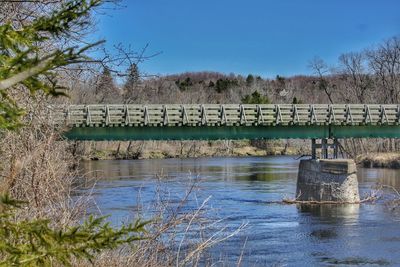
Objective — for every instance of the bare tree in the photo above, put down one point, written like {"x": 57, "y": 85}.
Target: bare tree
{"x": 356, "y": 80}
{"x": 320, "y": 69}
{"x": 385, "y": 64}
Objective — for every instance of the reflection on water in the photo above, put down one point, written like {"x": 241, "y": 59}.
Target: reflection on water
{"x": 390, "y": 177}
{"x": 242, "y": 189}
{"x": 333, "y": 214}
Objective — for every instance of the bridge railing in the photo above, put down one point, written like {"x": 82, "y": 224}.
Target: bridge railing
{"x": 225, "y": 115}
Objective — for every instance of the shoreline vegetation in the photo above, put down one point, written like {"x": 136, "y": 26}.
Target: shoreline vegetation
{"x": 196, "y": 149}
{"x": 187, "y": 149}
{"x": 388, "y": 160}
{"x": 44, "y": 215}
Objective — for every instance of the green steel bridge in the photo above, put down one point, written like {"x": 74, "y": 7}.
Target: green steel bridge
{"x": 227, "y": 121}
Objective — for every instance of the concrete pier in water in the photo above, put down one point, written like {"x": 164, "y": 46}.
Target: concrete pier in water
{"x": 327, "y": 180}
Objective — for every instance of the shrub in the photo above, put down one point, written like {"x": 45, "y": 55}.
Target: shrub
{"x": 35, "y": 243}
{"x": 296, "y": 101}
{"x": 255, "y": 98}
{"x": 224, "y": 84}
{"x": 185, "y": 84}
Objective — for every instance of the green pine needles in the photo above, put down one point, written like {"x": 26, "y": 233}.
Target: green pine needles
{"x": 255, "y": 98}
{"x": 29, "y": 58}
{"x": 29, "y": 55}
{"x": 36, "y": 243}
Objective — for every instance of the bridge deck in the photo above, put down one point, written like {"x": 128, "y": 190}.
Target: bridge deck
{"x": 228, "y": 121}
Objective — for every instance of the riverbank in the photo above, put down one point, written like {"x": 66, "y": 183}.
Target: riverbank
{"x": 380, "y": 160}
{"x": 188, "y": 149}
{"x": 194, "y": 149}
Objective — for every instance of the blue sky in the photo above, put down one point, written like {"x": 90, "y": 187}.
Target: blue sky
{"x": 264, "y": 37}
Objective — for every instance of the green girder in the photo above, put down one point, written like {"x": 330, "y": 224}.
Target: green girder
{"x": 232, "y": 132}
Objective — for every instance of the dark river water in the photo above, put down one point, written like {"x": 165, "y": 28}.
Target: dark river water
{"x": 243, "y": 191}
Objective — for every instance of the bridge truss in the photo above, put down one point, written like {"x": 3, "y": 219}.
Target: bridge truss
{"x": 227, "y": 121}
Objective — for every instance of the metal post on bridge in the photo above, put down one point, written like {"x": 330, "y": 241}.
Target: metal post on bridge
{"x": 324, "y": 148}
{"x": 324, "y": 145}
{"x": 313, "y": 148}
{"x": 335, "y": 148}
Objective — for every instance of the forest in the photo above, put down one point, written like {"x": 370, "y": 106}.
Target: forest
{"x": 47, "y": 58}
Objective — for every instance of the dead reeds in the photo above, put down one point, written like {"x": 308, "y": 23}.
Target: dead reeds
{"x": 177, "y": 236}
{"x": 37, "y": 168}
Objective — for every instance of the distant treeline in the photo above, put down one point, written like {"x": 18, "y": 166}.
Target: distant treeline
{"x": 369, "y": 76}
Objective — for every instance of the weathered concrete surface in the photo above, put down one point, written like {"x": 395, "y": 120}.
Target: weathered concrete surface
{"x": 327, "y": 180}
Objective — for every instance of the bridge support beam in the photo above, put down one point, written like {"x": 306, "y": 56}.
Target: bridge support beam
{"x": 325, "y": 145}
{"x": 328, "y": 180}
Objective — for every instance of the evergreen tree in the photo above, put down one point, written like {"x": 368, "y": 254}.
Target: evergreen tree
{"x": 36, "y": 243}
{"x": 27, "y": 61}
{"x": 255, "y": 98}
{"x": 224, "y": 84}
{"x": 250, "y": 80}
{"x": 185, "y": 84}
{"x": 130, "y": 90}
{"x": 281, "y": 80}
{"x": 106, "y": 90}
{"x": 296, "y": 101}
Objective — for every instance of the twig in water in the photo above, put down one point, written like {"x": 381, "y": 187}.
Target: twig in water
{"x": 315, "y": 202}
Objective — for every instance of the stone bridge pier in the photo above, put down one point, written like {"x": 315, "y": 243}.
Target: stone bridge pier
{"x": 327, "y": 179}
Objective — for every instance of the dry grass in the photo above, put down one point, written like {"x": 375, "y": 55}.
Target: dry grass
{"x": 177, "y": 236}
{"x": 380, "y": 160}
{"x": 39, "y": 169}
{"x": 186, "y": 149}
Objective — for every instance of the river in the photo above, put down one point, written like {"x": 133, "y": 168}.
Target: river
{"x": 244, "y": 191}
